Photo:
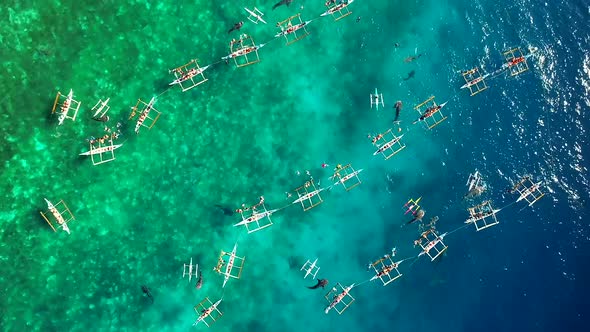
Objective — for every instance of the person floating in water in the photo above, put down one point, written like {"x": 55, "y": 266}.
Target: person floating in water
{"x": 236, "y": 26}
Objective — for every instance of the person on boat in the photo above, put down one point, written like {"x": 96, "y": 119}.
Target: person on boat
{"x": 236, "y": 26}
{"x": 376, "y": 138}
{"x": 428, "y": 113}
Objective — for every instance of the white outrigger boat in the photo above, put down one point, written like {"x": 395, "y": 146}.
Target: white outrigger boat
{"x": 193, "y": 270}
{"x": 65, "y": 107}
{"x": 102, "y": 149}
{"x": 101, "y": 108}
{"x": 339, "y": 298}
{"x": 60, "y": 219}
{"x": 229, "y": 266}
{"x": 388, "y": 145}
{"x": 207, "y": 312}
{"x": 475, "y": 81}
{"x": 343, "y": 174}
{"x": 255, "y": 218}
{"x": 287, "y": 28}
{"x": 144, "y": 114}
{"x": 242, "y": 48}
{"x": 310, "y": 268}
{"x": 430, "y": 113}
{"x": 68, "y": 106}
{"x": 376, "y": 99}
{"x": 307, "y": 196}
{"x": 234, "y": 262}
{"x": 255, "y": 15}
{"x": 189, "y": 72}
{"x": 339, "y": 11}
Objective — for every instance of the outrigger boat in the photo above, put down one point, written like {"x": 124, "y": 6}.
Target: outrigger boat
{"x": 68, "y": 105}
{"x": 530, "y": 191}
{"x": 233, "y": 262}
{"x": 101, "y": 108}
{"x": 144, "y": 114}
{"x": 287, "y": 28}
{"x": 338, "y": 11}
{"x": 187, "y": 73}
{"x": 482, "y": 215}
{"x": 101, "y": 152}
{"x": 242, "y": 48}
{"x": 388, "y": 145}
{"x": 207, "y": 312}
{"x": 255, "y": 218}
{"x": 376, "y": 99}
{"x": 392, "y": 145}
{"x": 307, "y": 198}
{"x": 516, "y": 61}
{"x": 190, "y": 272}
{"x": 344, "y": 174}
{"x": 473, "y": 181}
{"x": 65, "y": 107}
{"x": 412, "y": 205}
{"x": 310, "y": 268}
{"x": 339, "y": 298}
{"x": 255, "y": 15}
{"x": 434, "y": 243}
{"x": 474, "y": 81}
{"x": 430, "y": 113}
{"x": 102, "y": 149}
{"x": 58, "y": 215}
{"x": 386, "y": 270}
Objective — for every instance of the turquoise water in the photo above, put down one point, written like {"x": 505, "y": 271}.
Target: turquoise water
{"x": 248, "y": 132}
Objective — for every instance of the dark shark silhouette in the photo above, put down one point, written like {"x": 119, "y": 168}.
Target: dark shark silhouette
{"x": 282, "y": 2}
{"x": 398, "y": 107}
{"x": 147, "y": 292}
{"x": 200, "y": 281}
{"x": 236, "y": 26}
{"x": 412, "y": 58}
{"x": 321, "y": 283}
{"x": 410, "y": 75}
{"x": 226, "y": 211}
{"x": 417, "y": 217}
